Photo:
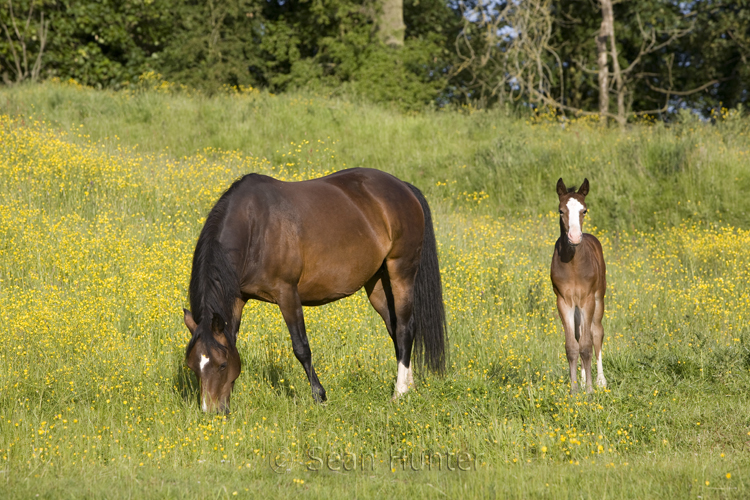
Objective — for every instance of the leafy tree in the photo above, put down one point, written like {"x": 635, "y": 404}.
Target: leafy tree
{"x": 24, "y": 30}
{"x": 105, "y": 43}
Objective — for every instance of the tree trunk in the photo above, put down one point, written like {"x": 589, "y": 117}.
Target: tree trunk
{"x": 605, "y": 32}
{"x": 391, "y": 24}
{"x": 616, "y": 72}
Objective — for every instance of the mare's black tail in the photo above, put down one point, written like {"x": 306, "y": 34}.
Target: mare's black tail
{"x": 428, "y": 313}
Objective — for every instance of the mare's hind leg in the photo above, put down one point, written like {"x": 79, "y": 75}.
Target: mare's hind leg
{"x": 381, "y": 294}
{"x": 598, "y": 333}
{"x": 567, "y": 315}
{"x": 291, "y": 308}
{"x": 402, "y": 273}
{"x": 381, "y": 297}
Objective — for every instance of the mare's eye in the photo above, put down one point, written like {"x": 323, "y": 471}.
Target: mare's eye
{"x": 223, "y": 366}
{"x": 560, "y": 212}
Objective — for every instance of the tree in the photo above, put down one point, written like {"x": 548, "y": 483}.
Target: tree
{"x": 391, "y": 23}
{"x": 567, "y": 56}
{"x": 25, "y": 33}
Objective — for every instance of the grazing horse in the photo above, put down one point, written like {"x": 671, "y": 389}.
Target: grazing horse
{"x": 579, "y": 278}
{"x": 308, "y": 243}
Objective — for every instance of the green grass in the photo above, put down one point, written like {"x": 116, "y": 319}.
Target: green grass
{"x": 640, "y": 178}
{"x": 97, "y": 228}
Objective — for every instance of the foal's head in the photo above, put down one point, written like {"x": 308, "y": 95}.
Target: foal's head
{"x": 572, "y": 210}
{"x": 214, "y": 360}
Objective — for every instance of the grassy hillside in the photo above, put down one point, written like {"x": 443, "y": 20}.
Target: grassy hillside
{"x": 640, "y": 178}
{"x": 98, "y": 221}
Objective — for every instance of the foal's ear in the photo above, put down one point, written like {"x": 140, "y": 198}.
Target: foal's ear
{"x": 584, "y": 189}
{"x": 218, "y": 324}
{"x": 561, "y": 189}
{"x": 189, "y": 321}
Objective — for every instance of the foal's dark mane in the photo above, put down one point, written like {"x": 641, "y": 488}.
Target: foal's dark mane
{"x": 214, "y": 283}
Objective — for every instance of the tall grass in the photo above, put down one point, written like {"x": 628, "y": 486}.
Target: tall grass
{"x": 641, "y": 177}
{"x": 98, "y": 221}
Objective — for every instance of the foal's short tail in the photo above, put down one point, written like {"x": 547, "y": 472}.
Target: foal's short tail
{"x": 429, "y": 315}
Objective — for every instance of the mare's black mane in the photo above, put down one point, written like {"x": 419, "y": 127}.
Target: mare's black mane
{"x": 214, "y": 282}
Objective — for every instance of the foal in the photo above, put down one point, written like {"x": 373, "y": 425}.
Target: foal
{"x": 579, "y": 279}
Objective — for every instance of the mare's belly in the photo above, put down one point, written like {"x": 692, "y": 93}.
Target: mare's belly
{"x": 339, "y": 273}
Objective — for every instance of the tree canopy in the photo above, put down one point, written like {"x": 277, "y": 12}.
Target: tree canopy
{"x": 671, "y": 53}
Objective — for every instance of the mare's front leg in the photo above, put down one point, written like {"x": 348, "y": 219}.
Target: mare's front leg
{"x": 567, "y": 315}
{"x": 291, "y": 308}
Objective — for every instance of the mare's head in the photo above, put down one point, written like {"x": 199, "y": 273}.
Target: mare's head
{"x": 572, "y": 210}
{"x": 214, "y": 359}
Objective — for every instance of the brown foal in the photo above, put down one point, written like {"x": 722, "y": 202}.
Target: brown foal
{"x": 579, "y": 278}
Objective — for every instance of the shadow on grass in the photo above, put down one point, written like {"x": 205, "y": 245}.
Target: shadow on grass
{"x": 184, "y": 382}
{"x": 274, "y": 374}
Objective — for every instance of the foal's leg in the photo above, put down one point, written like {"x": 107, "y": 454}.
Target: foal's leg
{"x": 598, "y": 333}
{"x": 585, "y": 343}
{"x": 291, "y": 308}
{"x": 401, "y": 273}
{"x": 567, "y": 315}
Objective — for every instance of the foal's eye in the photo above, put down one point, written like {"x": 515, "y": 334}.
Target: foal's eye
{"x": 560, "y": 212}
{"x": 585, "y": 212}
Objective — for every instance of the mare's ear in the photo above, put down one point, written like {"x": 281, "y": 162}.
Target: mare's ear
{"x": 561, "y": 189}
{"x": 584, "y": 189}
{"x": 218, "y": 324}
{"x": 189, "y": 321}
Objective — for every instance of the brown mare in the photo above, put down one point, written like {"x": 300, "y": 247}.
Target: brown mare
{"x": 309, "y": 243}
{"x": 579, "y": 278}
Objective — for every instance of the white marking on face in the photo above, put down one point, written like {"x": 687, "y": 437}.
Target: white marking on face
{"x": 204, "y": 361}
{"x": 574, "y": 220}
{"x": 403, "y": 379}
{"x": 600, "y": 380}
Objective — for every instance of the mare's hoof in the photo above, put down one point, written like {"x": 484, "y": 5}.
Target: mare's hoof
{"x": 319, "y": 396}
{"x": 397, "y": 395}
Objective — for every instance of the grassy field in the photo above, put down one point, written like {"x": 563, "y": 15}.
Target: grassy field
{"x": 102, "y": 196}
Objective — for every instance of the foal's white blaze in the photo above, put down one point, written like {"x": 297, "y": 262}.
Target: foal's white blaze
{"x": 574, "y": 220}
{"x": 600, "y": 380}
{"x": 404, "y": 379}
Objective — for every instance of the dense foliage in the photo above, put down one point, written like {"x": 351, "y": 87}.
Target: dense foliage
{"x": 710, "y": 43}
{"x": 333, "y": 44}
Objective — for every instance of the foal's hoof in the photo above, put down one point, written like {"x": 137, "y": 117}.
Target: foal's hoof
{"x": 573, "y": 388}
